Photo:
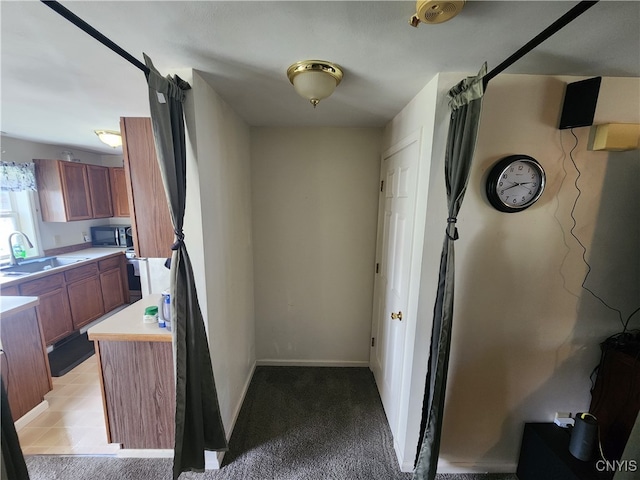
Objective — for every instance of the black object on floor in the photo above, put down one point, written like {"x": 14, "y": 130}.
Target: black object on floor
{"x": 70, "y": 354}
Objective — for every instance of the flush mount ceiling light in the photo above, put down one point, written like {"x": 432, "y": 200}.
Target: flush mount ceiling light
{"x": 314, "y": 79}
{"x": 435, "y": 11}
{"x": 109, "y": 137}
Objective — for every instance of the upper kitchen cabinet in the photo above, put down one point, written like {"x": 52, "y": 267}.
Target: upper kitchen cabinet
{"x": 150, "y": 219}
{"x": 119, "y": 192}
{"x": 72, "y": 191}
{"x": 100, "y": 191}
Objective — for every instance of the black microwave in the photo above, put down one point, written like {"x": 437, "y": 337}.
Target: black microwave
{"x": 112, "y": 236}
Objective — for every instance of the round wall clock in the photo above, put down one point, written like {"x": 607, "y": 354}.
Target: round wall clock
{"x": 515, "y": 183}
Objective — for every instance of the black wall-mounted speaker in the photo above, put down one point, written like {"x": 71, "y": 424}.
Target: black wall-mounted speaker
{"x": 579, "y": 104}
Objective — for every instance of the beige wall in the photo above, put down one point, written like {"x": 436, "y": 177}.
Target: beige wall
{"x": 526, "y": 335}
{"x": 315, "y": 197}
{"x": 218, "y": 236}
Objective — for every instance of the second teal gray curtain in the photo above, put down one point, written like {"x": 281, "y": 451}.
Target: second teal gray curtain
{"x": 198, "y": 421}
{"x": 465, "y": 101}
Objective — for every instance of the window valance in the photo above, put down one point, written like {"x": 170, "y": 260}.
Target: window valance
{"x": 17, "y": 177}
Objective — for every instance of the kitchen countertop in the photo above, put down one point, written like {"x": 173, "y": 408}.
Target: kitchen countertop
{"x": 127, "y": 325}
{"x": 11, "y": 305}
{"x": 89, "y": 255}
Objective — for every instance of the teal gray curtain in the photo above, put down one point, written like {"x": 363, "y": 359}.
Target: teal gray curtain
{"x": 465, "y": 101}
{"x": 13, "y": 466}
{"x": 198, "y": 422}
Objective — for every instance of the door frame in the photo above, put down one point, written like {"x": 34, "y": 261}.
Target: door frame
{"x": 399, "y": 431}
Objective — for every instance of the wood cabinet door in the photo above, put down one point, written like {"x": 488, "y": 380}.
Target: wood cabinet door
{"x": 85, "y": 301}
{"x": 26, "y": 370}
{"x": 150, "y": 220}
{"x": 55, "y": 315}
{"x": 119, "y": 192}
{"x": 112, "y": 289}
{"x": 75, "y": 190}
{"x": 100, "y": 191}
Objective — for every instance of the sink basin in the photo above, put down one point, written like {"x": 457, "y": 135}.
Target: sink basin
{"x": 36, "y": 265}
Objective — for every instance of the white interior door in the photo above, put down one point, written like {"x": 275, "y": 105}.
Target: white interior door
{"x": 395, "y": 234}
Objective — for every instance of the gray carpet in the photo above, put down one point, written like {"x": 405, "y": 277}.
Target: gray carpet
{"x": 296, "y": 424}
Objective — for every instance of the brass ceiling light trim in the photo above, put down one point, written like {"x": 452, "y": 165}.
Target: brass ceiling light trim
{"x": 109, "y": 137}
{"x": 314, "y": 79}
{"x": 434, "y": 11}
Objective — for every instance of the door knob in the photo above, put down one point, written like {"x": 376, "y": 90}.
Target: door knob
{"x": 396, "y": 316}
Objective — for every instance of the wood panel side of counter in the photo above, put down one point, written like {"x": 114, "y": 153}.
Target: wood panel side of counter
{"x": 25, "y": 365}
{"x": 139, "y": 391}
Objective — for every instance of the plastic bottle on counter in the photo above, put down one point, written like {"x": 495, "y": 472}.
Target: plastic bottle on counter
{"x": 166, "y": 310}
{"x": 150, "y": 314}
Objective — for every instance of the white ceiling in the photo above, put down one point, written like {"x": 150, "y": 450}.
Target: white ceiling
{"x": 59, "y": 84}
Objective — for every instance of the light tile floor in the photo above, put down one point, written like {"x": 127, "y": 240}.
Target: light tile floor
{"x": 74, "y": 421}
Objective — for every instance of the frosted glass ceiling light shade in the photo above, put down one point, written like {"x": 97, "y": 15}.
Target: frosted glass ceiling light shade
{"x": 109, "y": 137}
{"x": 314, "y": 79}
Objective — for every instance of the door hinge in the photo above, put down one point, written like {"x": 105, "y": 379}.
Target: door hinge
{"x": 373, "y": 341}
{"x": 382, "y": 185}
{"x": 377, "y": 268}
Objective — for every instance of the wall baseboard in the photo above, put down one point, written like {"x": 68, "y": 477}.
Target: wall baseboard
{"x": 213, "y": 460}
{"x": 463, "y": 467}
{"x": 268, "y": 362}
{"x": 24, "y": 420}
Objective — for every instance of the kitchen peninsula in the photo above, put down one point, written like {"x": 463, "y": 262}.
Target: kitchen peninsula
{"x": 136, "y": 376}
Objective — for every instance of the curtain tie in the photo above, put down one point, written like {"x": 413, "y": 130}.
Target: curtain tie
{"x": 179, "y": 240}
{"x": 451, "y": 221}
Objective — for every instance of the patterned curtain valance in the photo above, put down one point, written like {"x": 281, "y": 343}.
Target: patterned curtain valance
{"x": 17, "y": 177}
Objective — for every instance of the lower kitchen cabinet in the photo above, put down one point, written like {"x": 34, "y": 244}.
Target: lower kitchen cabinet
{"x": 25, "y": 365}
{"x": 112, "y": 289}
{"x": 77, "y": 296}
{"x": 53, "y": 310}
{"x": 85, "y": 301}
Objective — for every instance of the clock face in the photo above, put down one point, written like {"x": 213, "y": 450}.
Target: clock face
{"x": 515, "y": 183}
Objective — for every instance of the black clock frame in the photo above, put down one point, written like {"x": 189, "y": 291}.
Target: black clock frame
{"x": 494, "y": 177}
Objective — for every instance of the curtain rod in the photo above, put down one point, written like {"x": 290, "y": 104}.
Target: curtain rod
{"x": 82, "y": 25}
{"x": 562, "y": 22}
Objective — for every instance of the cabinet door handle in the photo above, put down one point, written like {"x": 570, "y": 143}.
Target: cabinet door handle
{"x": 396, "y": 316}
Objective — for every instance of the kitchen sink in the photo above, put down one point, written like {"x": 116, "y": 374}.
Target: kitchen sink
{"x": 41, "y": 264}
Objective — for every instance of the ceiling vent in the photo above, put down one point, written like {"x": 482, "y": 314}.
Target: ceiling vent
{"x": 433, "y": 11}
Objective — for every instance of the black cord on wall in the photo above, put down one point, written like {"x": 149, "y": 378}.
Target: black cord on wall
{"x": 624, "y": 323}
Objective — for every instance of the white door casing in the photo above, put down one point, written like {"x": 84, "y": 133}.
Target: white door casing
{"x": 399, "y": 179}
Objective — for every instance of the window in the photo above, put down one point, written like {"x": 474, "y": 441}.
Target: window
{"x": 16, "y": 214}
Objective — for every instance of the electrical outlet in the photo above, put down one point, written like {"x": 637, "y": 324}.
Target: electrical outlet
{"x": 85, "y": 237}
{"x": 57, "y": 240}
{"x": 563, "y": 419}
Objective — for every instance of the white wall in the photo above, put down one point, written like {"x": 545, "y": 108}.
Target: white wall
{"x": 218, "y": 236}
{"x": 526, "y": 335}
{"x": 315, "y": 196}
{"x": 57, "y": 234}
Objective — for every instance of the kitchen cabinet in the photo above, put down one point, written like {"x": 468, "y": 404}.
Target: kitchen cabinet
{"x": 100, "y": 191}
{"x": 25, "y": 365}
{"x": 85, "y": 300}
{"x": 150, "y": 219}
{"x": 76, "y": 296}
{"x": 70, "y": 191}
{"x": 54, "y": 310}
{"x": 119, "y": 194}
{"x": 113, "y": 282}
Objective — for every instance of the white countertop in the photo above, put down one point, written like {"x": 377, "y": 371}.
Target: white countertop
{"x": 87, "y": 255}
{"x": 10, "y": 305}
{"x": 127, "y": 325}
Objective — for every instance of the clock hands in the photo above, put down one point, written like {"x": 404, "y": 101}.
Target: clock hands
{"x": 516, "y": 184}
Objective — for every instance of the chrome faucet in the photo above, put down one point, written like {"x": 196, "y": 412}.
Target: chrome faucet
{"x": 12, "y": 257}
